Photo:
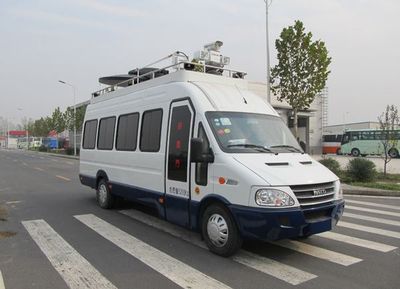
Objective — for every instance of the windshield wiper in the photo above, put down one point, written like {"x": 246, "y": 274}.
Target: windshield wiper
{"x": 253, "y": 146}
{"x": 289, "y": 147}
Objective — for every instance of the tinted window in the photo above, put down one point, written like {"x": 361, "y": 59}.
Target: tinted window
{"x": 106, "y": 133}
{"x": 201, "y": 174}
{"x": 89, "y": 135}
{"x": 179, "y": 144}
{"x": 127, "y": 132}
{"x": 151, "y": 131}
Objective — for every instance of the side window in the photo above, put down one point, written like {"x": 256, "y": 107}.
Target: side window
{"x": 106, "y": 133}
{"x": 127, "y": 132}
{"x": 89, "y": 135}
{"x": 151, "y": 131}
{"x": 179, "y": 143}
{"x": 201, "y": 173}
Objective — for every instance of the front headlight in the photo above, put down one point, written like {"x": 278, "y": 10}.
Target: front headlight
{"x": 338, "y": 190}
{"x": 273, "y": 198}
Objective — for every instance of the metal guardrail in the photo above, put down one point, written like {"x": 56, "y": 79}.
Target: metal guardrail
{"x": 179, "y": 65}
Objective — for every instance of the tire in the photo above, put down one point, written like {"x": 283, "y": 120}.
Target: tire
{"x": 219, "y": 231}
{"x": 393, "y": 153}
{"x": 338, "y": 151}
{"x": 355, "y": 152}
{"x": 103, "y": 195}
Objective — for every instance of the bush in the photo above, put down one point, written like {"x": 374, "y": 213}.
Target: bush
{"x": 332, "y": 164}
{"x": 361, "y": 170}
{"x": 43, "y": 148}
{"x": 69, "y": 151}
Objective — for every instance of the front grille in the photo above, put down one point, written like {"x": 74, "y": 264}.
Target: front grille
{"x": 315, "y": 194}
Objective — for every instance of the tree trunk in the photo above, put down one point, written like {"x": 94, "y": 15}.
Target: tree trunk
{"x": 296, "y": 131}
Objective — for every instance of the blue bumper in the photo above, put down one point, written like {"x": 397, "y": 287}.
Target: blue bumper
{"x": 274, "y": 224}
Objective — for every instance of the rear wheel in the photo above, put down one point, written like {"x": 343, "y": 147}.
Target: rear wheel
{"x": 355, "y": 152}
{"x": 220, "y": 231}
{"x": 103, "y": 195}
{"x": 393, "y": 153}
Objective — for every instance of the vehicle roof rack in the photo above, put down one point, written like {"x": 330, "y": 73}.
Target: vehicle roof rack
{"x": 180, "y": 61}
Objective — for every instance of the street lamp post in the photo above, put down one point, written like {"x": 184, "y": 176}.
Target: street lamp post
{"x": 267, "y": 4}
{"x": 74, "y": 91}
{"x": 26, "y": 130}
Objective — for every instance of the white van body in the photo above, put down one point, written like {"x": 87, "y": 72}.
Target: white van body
{"x": 246, "y": 193}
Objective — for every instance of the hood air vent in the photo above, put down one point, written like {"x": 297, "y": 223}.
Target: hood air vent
{"x": 306, "y": 163}
{"x": 277, "y": 164}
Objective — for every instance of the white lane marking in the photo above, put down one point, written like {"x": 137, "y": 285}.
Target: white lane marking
{"x": 39, "y": 169}
{"x": 373, "y": 211}
{"x": 271, "y": 267}
{"x": 372, "y": 219}
{"x": 357, "y": 242}
{"x": 63, "y": 178}
{"x": 70, "y": 163}
{"x": 265, "y": 265}
{"x": 54, "y": 160}
{"x": 24, "y": 163}
{"x": 76, "y": 271}
{"x": 173, "y": 269}
{"x": 318, "y": 252}
{"x": 373, "y": 204}
{"x": 13, "y": 202}
{"x": 372, "y": 197}
{"x": 2, "y": 286}
{"x": 372, "y": 230}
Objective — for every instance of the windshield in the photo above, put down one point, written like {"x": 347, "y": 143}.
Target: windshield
{"x": 238, "y": 132}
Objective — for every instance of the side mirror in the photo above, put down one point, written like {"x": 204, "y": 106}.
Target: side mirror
{"x": 199, "y": 153}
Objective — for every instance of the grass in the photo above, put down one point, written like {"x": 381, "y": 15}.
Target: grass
{"x": 391, "y": 182}
{"x": 378, "y": 185}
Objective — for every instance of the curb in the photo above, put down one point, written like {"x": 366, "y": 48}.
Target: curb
{"x": 56, "y": 155}
{"x": 353, "y": 190}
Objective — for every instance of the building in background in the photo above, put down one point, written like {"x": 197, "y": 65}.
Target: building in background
{"x": 341, "y": 128}
{"x": 310, "y": 121}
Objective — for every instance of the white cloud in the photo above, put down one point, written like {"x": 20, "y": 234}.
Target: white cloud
{"x": 54, "y": 17}
{"x": 116, "y": 10}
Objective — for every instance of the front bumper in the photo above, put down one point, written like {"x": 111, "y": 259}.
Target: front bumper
{"x": 273, "y": 224}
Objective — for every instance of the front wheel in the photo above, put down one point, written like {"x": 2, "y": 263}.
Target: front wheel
{"x": 393, "y": 153}
{"x": 103, "y": 195}
{"x": 355, "y": 152}
{"x": 220, "y": 231}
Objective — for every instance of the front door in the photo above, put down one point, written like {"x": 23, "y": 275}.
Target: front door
{"x": 177, "y": 189}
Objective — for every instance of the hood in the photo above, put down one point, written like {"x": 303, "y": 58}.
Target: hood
{"x": 286, "y": 169}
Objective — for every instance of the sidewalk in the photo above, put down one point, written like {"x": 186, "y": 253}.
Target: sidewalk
{"x": 56, "y": 155}
{"x": 353, "y": 190}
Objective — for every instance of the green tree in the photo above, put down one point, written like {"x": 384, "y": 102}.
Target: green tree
{"x": 58, "y": 120}
{"x": 389, "y": 121}
{"x": 302, "y": 69}
{"x": 69, "y": 117}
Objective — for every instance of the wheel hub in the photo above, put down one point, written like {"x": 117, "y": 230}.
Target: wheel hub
{"x": 217, "y": 230}
{"x": 102, "y": 193}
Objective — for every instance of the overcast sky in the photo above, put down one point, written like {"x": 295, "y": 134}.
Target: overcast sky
{"x": 79, "y": 41}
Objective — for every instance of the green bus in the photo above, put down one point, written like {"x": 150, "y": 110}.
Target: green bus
{"x": 368, "y": 142}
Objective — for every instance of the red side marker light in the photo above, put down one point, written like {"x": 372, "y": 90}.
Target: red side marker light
{"x": 221, "y": 180}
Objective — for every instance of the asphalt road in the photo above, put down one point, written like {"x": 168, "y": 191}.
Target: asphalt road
{"x": 53, "y": 235}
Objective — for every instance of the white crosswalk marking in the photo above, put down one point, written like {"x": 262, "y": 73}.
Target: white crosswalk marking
{"x": 318, "y": 252}
{"x": 372, "y": 219}
{"x": 394, "y": 214}
{"x": 76, "y": 271}
{"x": 373, "y": 204}
{"x": 175, "y": 270}
{"x": 2, "y": 286}
{"x": 373, "y": 230}
{"x": 357, "y": 241}
{"x": 265, "y": 265}
{"x": 271, "y": 267}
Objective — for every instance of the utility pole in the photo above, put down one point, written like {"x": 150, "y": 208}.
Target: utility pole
{"x": 74, "y": 92}
{"x": 267, "y": 4}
